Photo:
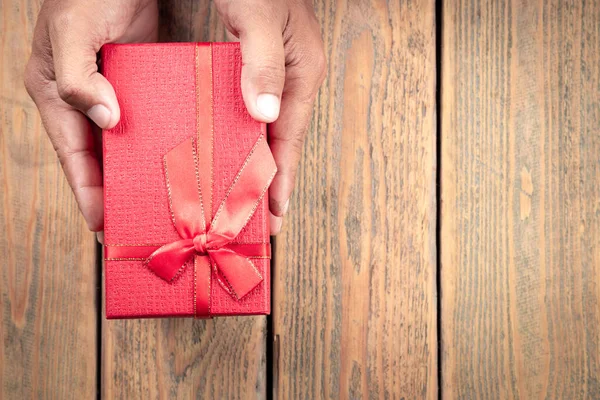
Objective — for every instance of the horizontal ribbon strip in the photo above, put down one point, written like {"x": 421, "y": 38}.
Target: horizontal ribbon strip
{"x": 142, "y": 252}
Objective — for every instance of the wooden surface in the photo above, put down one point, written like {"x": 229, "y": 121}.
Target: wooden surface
{"x": 354, "y": 269}
{"x": 223, "y": 358}
{"x": 520, "y": 216}
{"x": 48, "y": 277}
{"x": 355, "y": 307}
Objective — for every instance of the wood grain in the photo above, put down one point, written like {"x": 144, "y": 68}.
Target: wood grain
{"x": 520, "y": 216}
{"x": 48, "y": 292}
{"x": 354, "y": 269}
{"x": 224, "y": 358}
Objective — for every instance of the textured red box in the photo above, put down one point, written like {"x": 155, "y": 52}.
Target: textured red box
{"x": 162, "y": 96}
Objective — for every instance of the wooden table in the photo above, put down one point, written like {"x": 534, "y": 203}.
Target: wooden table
{"x": 443, "y": 239}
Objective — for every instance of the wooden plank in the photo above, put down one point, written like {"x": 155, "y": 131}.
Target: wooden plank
{"x": 520, "y": 216}
{"x": 224, "y": 358}
{"x": 355, "y": 266}
{"x": 49, "y": 274}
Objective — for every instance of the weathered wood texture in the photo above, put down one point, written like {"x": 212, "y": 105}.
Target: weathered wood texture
{"x": 354, "y": 269}
{"x": 520, "y": 215}
{"x": 48, "y": 274}
{"x": 224, "y": 358}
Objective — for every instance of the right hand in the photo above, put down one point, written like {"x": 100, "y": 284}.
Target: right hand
{"x": 62, "y": 78}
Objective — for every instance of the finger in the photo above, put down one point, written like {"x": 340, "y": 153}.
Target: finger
{"x": 286, "y": 139}
{"x": 71, "y": 136}
{"x": 286, "y": 135}
{"x": 275, "y": 223}
{"x": 74, "y": 46}
{"x": 263, "y": 58}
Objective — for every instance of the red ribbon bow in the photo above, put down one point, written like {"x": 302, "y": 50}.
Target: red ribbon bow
{"x": 212, "y": 242}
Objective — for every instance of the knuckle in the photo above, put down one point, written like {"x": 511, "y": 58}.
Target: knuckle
{"x": 30, "y": 77}
{"x": 290, "y": 168}
{"x": 60, "y": 154}
{"x": 267, "y": 74}
{"x": 318, "y": 63}
{"x": 234, "y": 15}
{"x": 309, "y": 56}
{"x": 34, "y": 79}
{"x": 270, "y": 69}
{"x": 252, "y": 12}
{"x": 74, "y": 23}
{"x": 303, "y": 91}
{"x": 68, "y": 89}
{"x": 295, "y": 142}
{"x": 63, "y": 20}
{"x": 321, "y": 65}
{"x": 67, "y": 156}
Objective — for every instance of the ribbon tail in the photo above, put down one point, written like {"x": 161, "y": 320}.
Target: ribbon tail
{"x": 244, "y": 195}
{"x": 241, "y": 275}
{"x": 202, "y": 289}
{"x": 167, "y": 261}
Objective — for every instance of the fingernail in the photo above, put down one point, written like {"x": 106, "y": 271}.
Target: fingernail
{"x": 100, "y": 237}
{"x": 268, "y": 105}
{"x": 285, "y": 207}
{"x": 100, "y": 115}
{"x": 278, "y": 224}
{"x": 275, "y": 223}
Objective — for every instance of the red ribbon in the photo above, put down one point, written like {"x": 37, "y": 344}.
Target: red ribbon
{"x": 185, "y": 200}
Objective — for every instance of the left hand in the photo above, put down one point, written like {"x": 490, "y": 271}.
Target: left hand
{"x": 283, "y": 66}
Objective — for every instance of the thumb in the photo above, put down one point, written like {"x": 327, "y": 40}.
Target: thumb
{"x": 263, "y": 58}
{"x": 77, "y": 78}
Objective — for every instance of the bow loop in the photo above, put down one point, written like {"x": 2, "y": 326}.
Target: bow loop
{"x": 167, "y": 260}
{"x": 237, "y": 273}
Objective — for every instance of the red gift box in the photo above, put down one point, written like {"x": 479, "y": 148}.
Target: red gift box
{"x": 186, "y": 171}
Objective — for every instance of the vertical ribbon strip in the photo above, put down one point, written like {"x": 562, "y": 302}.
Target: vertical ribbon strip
{"x": 204, "y": 132}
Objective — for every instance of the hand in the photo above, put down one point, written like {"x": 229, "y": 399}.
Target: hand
{"x": 283, "y": 60}
{"x": 62, "y": 78}
{"x": 283, "y": 67}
